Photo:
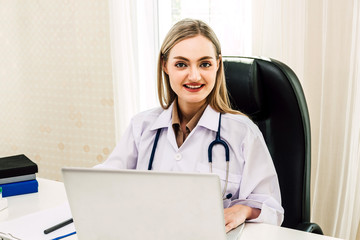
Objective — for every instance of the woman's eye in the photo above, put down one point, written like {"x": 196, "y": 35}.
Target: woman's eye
{"x": 180, "y": 65}
{"x": 205, "y": 65}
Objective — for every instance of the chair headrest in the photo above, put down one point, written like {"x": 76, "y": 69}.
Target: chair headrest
{"x": 244, "y": 86}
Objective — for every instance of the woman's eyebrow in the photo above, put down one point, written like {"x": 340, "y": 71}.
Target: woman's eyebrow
{"x": 201, "y": 59}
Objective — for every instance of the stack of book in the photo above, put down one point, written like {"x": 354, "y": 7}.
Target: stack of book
{"x": 18, "y": 175}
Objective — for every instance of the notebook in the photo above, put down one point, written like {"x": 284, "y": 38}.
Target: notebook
{"x": 132, "y": 204}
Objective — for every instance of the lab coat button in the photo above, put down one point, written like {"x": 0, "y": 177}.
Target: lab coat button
{"x": 178, "y": 156}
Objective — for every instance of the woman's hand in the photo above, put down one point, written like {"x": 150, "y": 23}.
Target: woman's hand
{"x": 237, "y": 214}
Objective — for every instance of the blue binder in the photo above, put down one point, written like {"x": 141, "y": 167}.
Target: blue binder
{"x": 17, "y": 188}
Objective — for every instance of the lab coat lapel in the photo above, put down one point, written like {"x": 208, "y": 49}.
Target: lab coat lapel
{"x": 164, "y": 121}
{"x": 209, "y": 119}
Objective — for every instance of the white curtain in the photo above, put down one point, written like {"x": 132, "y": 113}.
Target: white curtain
{"x": 320, "y": 41}
{"x": 134, "y": 44}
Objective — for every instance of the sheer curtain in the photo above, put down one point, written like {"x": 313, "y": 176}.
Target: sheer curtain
{"x": 320, "y": 41}
{"x": 230, "y": 19}
{"x": 134, "y": 44}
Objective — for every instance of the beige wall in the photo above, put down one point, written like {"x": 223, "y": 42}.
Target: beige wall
{"x": 56, "y": 94}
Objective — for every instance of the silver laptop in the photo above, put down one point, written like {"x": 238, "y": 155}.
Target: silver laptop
{"x": 134, "y": 205}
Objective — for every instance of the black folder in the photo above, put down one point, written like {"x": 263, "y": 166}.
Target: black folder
{"x": 17, "y": 165}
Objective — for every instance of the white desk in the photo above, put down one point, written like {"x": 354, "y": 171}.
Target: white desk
{"x": 52, "y": 194}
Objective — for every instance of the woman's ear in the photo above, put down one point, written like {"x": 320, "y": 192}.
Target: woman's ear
{"x": 164, "y": 67}
{"x": 218, "y": 61}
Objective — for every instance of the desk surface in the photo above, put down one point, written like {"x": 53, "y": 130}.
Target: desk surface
{"x": 52, "y": 194}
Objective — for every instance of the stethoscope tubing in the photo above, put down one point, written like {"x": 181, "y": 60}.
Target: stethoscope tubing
{"x": 217, "y": 141}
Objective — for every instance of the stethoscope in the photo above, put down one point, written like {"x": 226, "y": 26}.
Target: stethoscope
{"x": 212, "y": 144}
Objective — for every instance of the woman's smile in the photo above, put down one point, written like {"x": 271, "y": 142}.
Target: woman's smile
{"x": 194, "y": 87}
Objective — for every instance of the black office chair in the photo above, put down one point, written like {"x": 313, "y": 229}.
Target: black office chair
{"x": 269, "y": 92}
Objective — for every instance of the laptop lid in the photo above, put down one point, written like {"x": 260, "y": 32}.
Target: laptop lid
{"x": 132, "y": 204}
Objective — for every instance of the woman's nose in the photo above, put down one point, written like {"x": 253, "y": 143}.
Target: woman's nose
{"x": 194, "y": 74}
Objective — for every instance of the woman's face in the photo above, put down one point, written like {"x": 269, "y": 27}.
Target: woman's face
{"x": 192, "y": 66}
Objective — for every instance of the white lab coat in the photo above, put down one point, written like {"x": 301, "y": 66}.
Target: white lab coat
{"x": 252, "y": 176}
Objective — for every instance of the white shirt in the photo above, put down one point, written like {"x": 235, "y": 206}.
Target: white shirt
{"x": 252, "y": 177}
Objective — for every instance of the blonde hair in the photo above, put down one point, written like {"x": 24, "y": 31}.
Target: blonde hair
{"x": 184, "y": 29}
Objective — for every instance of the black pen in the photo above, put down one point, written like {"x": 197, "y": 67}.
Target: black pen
{"x": 57, "y": 226}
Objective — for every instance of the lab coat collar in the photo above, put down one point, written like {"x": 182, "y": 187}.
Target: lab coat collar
{"x": 164, "y": 119}
{"x": 209, "y": 119}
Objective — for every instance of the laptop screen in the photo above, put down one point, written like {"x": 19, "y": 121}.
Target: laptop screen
{"x": 132, "y": 204}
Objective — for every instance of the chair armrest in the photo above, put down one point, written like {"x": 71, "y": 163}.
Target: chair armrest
{"x": 310, "y": 227}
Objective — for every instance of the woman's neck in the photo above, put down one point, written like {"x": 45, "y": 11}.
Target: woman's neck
{"x": 187, "y": 111}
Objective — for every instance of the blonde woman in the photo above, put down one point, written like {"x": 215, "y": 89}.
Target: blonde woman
{"x": 194, "y": 110}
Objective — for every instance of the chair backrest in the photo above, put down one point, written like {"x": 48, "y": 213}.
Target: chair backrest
{"x": 270, "y": 93}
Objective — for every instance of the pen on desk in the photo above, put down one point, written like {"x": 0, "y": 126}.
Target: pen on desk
{"x": 64, "y": 236}
{"x": 57, "y": 226}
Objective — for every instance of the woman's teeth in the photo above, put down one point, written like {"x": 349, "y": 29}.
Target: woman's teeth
{"x": 193, "y": 86}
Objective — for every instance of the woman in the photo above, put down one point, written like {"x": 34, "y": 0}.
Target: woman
{"x": 193, "y": 96}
